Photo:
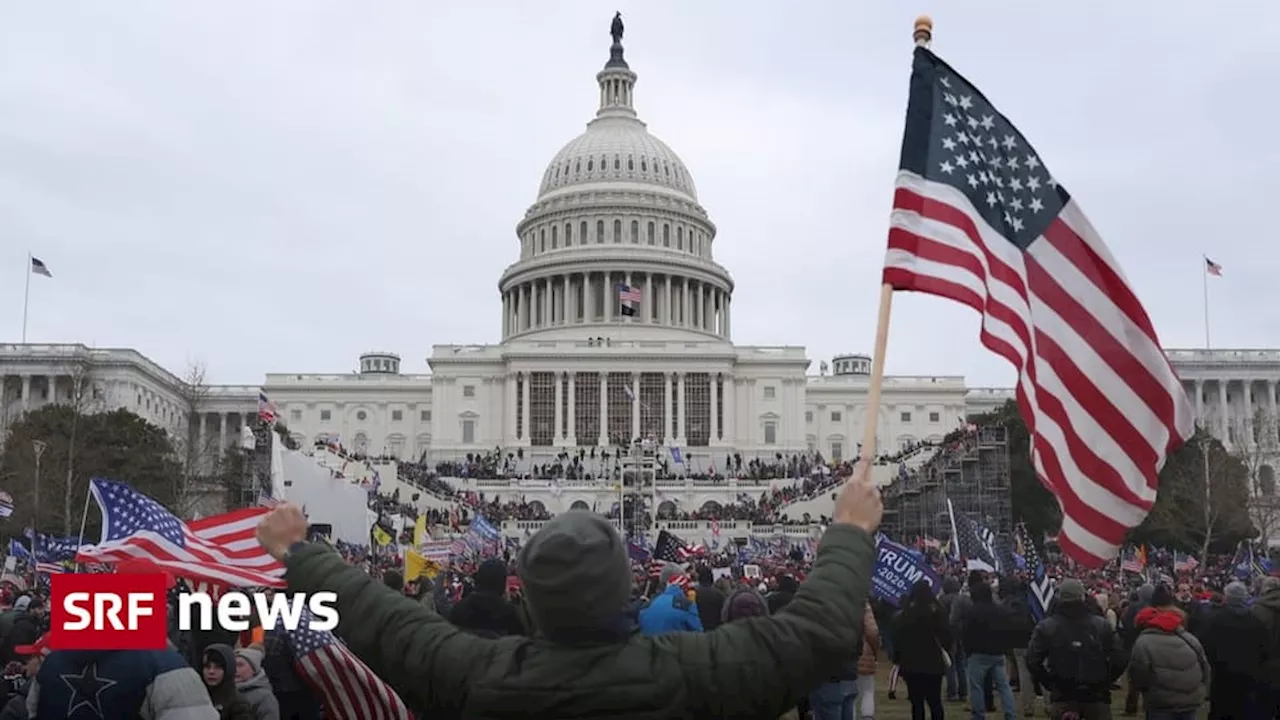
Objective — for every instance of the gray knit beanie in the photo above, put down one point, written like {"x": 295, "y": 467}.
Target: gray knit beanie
{"x": 576, "y": 573}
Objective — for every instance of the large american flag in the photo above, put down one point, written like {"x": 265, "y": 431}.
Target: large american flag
{"x": 351, "y": 691}
{"x": 978, "y": 219}
{"x": 221, "y": 549}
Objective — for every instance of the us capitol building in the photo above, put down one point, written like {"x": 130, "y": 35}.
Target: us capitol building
{"x": 616, "y": 323}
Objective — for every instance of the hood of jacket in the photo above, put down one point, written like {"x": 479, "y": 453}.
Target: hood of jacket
{"x": 1163, "y": 619}
{"x": 491, "y": 577}
{"x": 743, "y": 602}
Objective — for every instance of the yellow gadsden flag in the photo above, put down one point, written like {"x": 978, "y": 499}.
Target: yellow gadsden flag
{"x": 380, "y": 536}
{"x": 416, "y": 566}
{"x": 420, "y": 534}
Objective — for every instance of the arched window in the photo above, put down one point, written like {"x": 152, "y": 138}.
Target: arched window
{"x": 568, "y": 234}
{"x": 635, "y": 232}
{"x": 644, "y": 166}
{"x": 666, "y": 234}
{"x": 577, "y": 167}
{"x": 617, "y": 231}
{"x": 582, "y": 233}
{"x": 591, "y": 164}
{"x": 599, "y": 231}
{"x": 680, "y": 237}
{"x": 617, "y": 162}
{"x": 555, "y": 236}
{"x": 631, "y": 163}
{"x": 542, "y": 240}
{"x": 650, "y": 232}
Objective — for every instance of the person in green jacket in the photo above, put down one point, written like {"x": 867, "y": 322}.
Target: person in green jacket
{"x": 586, "y": 661}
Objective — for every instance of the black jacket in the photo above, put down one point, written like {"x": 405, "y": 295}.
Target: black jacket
{"x": 710, "y": 602}
{"x": 1052, "y": 631}
{"x": 987, "y": 629}
{"x": 920, "y": 632}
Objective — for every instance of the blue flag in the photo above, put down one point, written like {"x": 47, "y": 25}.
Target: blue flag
{"x": 897, "y": 569}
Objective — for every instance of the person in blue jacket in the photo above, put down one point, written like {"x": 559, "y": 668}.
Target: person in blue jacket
{"x": 672, "y": 610}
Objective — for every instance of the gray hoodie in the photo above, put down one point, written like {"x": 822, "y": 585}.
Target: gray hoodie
{"x": 257, "y": 689}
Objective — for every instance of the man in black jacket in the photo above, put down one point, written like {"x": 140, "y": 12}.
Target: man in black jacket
{"x": 1076, "y": 656}
{"x": 986, "y": 642}
{"x": 710, "y": 599}
{"x": 1013, "y": 594}
{"x": 486, "y": 611}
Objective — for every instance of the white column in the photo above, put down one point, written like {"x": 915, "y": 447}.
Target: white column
{"x": 546, "y": 302}
{"x": 1199, "y": 403}
{"x": 635, "y": 405}
{"x": 573, "y": 409}
{"x": 704, "y": 295}
{"x": 610, "y": 295}
{"x": 666, "y": 408}
{"x": 559, "y": 414}
{"x": 686, "y": 321}
{"x": 603, "y": 440}
{"x": 524, "y": 410}
{"x": 222, "y": 433}
{"x": 570, "y": 312}
{"x": 26, "y": 392}
{"x": 1223, "y": 423}
{"x": 1247, "y": 387}
{"x": 647, "y": 302}
{"x": 680, "y": 410}
{"x": 730, "y": 411}
{"x": 509, "y": 435}
{"x": 715, "y": 420}
{"x": 201, "y": 437}
{"x": 1271, "y": 412}
{"x": 666, "y": 305}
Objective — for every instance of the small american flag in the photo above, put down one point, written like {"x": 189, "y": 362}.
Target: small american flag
{"x": 973, "y": 543}
{"x": 351, "y": 691}
{"x": 670, "y": 548}
{"x": 629, "y": 294}
{"x": 978, "y": 218}
{"x": 39, "y": 268}
{"x": 266, "y": 409}
{"x": 223, "y": 548}
{"x": 1212, "y": 268}
{"x": 50, "y": 568}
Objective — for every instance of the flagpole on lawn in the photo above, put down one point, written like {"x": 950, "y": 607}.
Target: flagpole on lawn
{"x": 1203, "y": 278}
{"x": 84, "y": 518}
{"x": 26, "y": 300}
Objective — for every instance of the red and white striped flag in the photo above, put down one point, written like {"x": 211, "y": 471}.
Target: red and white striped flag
{"x": 223, "y": 549}
{"x": 978, "y": 219}
{"x": 351, "y": 691}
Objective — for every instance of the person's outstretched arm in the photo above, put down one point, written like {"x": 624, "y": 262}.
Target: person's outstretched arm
{"x": 426, "y": 660}
{"x": 759, "y": 667}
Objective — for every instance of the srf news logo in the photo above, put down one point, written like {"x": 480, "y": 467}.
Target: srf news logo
{"x": 130, "y": 611}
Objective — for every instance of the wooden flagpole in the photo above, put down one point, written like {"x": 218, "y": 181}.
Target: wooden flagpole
{"x": 922, "y": 34}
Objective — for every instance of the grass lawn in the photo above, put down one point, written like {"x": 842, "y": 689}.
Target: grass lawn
{"x": 900, "y": 709}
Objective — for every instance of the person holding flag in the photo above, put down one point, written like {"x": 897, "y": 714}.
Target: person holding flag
{"x": 1076, "y": 656}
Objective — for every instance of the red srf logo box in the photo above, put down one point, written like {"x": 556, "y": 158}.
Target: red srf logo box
{"x": 108, "y": 612}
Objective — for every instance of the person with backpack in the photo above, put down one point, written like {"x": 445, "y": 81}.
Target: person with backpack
{"x": 1076, "y": 656}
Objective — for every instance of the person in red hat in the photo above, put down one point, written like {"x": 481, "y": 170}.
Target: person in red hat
{"x": 18, "y": 675}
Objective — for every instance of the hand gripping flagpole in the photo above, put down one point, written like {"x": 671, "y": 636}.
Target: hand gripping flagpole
{"x": 922, "y": 35}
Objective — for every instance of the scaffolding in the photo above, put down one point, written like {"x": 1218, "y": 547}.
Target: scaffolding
{"x": 972, "y": 471}
{"x": 637, "y": 500}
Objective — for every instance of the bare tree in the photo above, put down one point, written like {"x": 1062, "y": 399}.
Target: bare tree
{"x": 197, "y": 450}
{"x": 84, "y": 396}
{"x": 1257, "y": 447}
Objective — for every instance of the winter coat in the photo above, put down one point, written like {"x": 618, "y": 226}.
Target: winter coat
{"x": 750, "y": 669}
{"x": 256, "y": 691}
{"x": 1168, "y": 665}
{"x": 920, "y": 632}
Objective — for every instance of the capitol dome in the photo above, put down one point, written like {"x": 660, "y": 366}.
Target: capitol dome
{"x": 617, "y": 150}
{"x": 616, "y": 238}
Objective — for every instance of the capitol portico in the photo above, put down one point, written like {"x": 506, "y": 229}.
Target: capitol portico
{"x": 616, "y": 323}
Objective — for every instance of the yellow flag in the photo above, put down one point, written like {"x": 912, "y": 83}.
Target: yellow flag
{"x": 417, "y": 566}
{"x": 380, "y": 536}
{"x": 420, "y": 535}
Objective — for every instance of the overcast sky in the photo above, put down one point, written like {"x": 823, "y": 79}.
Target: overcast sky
{"x": 277, "y": 187}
